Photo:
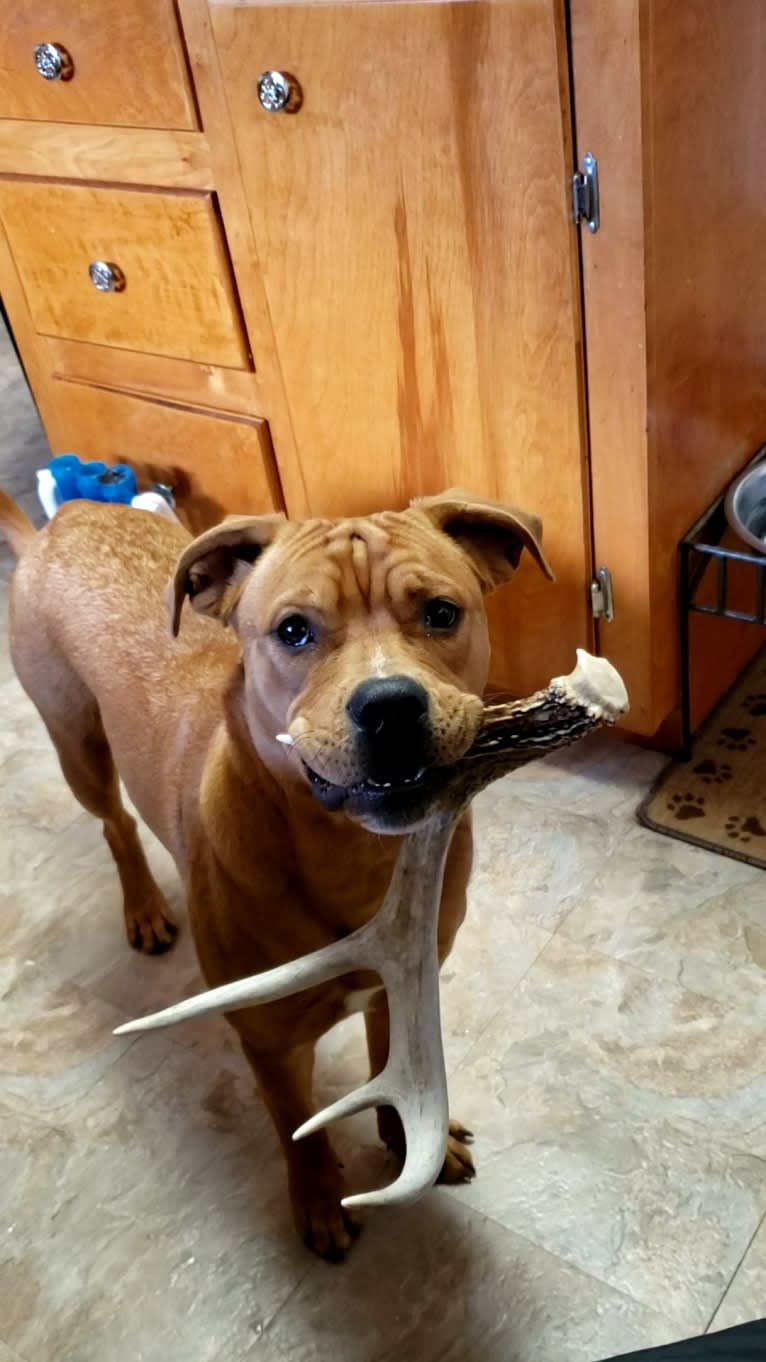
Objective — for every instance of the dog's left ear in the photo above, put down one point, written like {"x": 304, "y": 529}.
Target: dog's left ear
{"x": 216, "y": 562}
{"x": 494, "y": 536}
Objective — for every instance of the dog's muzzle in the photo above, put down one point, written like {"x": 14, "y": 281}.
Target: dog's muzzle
{"x": 392, "y": 730}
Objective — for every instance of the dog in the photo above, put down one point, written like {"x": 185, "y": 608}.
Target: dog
{"x": 300, "y": 708}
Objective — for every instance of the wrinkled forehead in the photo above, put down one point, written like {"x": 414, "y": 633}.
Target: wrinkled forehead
{"x": 367, "y": 560}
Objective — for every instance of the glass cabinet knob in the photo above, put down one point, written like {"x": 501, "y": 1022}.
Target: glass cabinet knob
{"x": 106, "y": 277}
{"x": 279, "y": 92}
{"x": 53, "y": 62}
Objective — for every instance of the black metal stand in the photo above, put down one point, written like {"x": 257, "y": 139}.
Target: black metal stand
{"x": 701, "y": 549}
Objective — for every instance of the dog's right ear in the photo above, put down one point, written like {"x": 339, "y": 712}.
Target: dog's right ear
{"x": 216, "y": 562}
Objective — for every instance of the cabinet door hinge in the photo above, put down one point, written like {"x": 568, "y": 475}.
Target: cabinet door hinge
{"x": 585, "y": 202}
{"x": 602, "y": 595}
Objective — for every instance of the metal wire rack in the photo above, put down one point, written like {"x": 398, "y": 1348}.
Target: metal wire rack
{"x": 705, "y": 587}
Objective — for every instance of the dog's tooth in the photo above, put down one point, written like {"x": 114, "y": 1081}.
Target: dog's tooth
{"x": 285, "y": 739}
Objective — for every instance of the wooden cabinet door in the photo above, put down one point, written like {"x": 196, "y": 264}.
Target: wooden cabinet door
{"x": 413, "y": 229}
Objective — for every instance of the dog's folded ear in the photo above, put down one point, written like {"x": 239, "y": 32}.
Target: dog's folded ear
{"x": 211, "y": 568}
{"x": 494, "y": 536}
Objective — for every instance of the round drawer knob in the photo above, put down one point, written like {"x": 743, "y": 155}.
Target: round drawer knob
{"x": 279, "y": 92}
{"x": 106, "y": 277}
{"x": 53, "y": 62}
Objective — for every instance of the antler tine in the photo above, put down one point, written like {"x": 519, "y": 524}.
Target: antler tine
{"x": 329, "y": 962}
{"x": 370, "y": 1094}
{"x": 426, "y": 1127}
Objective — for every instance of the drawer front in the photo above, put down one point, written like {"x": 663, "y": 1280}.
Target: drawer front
{"x": 128, "y": 66}
{"x": 175, "y": 293}
{"x": 217, "y": 465}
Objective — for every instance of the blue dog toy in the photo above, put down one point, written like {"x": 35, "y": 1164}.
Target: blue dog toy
{"x": 92, "y": 481}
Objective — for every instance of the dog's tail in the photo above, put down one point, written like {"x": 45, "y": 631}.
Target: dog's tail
{"x": 15, "y": 526}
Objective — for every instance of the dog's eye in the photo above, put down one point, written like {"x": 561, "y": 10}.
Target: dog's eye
{"x": 295, "y": 632}
{"x": 441, "y": 615}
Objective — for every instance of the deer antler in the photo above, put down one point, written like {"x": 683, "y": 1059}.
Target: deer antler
{"x": 400, "y": 942}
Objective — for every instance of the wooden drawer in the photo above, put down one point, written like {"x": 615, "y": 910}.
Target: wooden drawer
{"x": 217, "y": 465}
{"x": 129, "y": 66}
{"x": 178, "y": 297}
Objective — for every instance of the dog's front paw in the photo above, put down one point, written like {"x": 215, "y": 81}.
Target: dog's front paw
{"x": 325, "y": 1226}
{"x": 150, "y": 926}
{"x": 458, "y": 1164}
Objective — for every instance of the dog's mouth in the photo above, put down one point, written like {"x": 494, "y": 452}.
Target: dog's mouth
{"x": 389, "y": 805}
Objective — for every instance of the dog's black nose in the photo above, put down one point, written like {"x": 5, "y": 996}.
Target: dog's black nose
{"x": 382, "y": 708}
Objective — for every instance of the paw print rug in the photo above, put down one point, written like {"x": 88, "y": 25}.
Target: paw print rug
{"x": 718, "y": 798}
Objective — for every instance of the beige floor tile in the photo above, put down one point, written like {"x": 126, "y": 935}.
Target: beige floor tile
{"x": 602, "y": 1102}
{"x": 746, "y": 1297}
{"x": 534, "y": 859}
{"x": 8, "y": 1355}
{"x": 65, "y": 912}
{"x": 647, "y": 1048}
{"x": 491, "y": 955}
{"x": 680, "y": 913}
{"x": 150, "y": 1221}
{"x": 22, "y": 731}
{"x": 599, "y": 776}
{"x": 436, "y": 1283}
{"x": 42, "y": 798}
{"x": 56, "y": 1041}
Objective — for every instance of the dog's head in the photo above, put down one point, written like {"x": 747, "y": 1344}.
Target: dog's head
{"x": 364, "y": 640}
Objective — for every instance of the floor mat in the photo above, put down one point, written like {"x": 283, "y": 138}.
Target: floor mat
{"x": 718, "y": 799}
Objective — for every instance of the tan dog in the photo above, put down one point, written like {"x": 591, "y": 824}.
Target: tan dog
{"x": 363, "y": 643}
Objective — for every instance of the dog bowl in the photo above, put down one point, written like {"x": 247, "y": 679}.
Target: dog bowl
{"x": 746, "y": 506}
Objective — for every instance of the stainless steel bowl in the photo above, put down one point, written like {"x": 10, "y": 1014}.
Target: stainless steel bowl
{"x": 746, "y": 506}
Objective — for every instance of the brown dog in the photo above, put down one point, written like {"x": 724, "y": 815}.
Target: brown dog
{"x": 362, "y": 640}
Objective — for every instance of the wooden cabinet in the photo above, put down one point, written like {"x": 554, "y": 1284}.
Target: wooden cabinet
{"x": 390, "y": 276}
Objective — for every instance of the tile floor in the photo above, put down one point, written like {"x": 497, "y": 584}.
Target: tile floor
{"x": 604, "y": 1014}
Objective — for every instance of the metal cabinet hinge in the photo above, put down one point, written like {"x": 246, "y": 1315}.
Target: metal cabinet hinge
{"x": 602, "y": 595}
{"x": 585, "y": 202}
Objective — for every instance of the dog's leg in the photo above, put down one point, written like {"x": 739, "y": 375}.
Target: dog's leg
{"x": 86, "y": 761}
{"x": 72, "y": 717}
{"x": 314, "y": 1175}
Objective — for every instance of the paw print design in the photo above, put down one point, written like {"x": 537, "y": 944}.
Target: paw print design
{"x": 756, "y": 704}
{"x": 736, "y": 739}
{"x": 713, "y": 772}
{"x": 686, "y": 806}
{"x": 744, "y": 829}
